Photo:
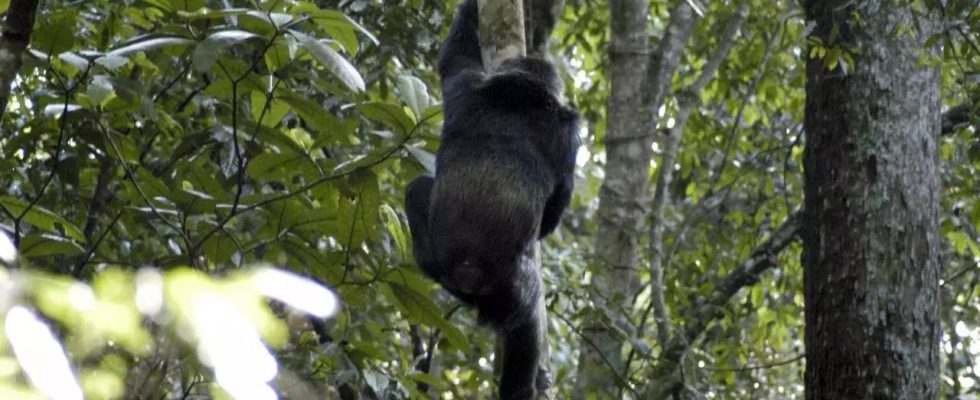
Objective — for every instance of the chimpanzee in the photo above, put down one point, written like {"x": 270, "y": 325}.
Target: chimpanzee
{"x": 504, "y": 174}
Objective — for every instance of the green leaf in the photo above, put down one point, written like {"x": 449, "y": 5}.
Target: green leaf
{"x": 277, "y": 109}
{"x": 357, "y": 209}
{"x": 55, "y": 110}
{"x": 396, "y": 229}
{"x": 339, "y": 27}
{"x": 313, "y": 114}
{"x": 391, "y": 114}
{"x": 161, "y": 4}
{"x": 279, "y": 55}
{"x": 147, "y": 43}
{"x": 273, "y": 166}
{"x": 152, "y": 187}
{"x": 57, "y": 35}
{"x": 206, "y": 53}
{"x": 335, "y": 21}
{"x": 427, "y": 159}
{"x": 186, "y": 5}
{"x": 432, "y": 114}
{"x": 41, "y": 218}
{"x": 333, "y": 61}
{"x": 123, "y": 149}
{"x": 112, "y": 62}
{"x": 42, "y": 245}
{"x": 209, "y": 13}
{"x": 420, "y": 309}
{"x": 75, "y": 60}
{"x": 193, "y": 176}
{"x": 278, "y": 20}
{"x": 99, "y": 89}
{"x": 4, "y": 4}
{"x": 414, "y": 94}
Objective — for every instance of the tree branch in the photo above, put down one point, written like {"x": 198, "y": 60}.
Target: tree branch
{"x": 688, "y": 99}
{"x": 706, "y": 309}
{"x": 666, "y": 59}
{"x": 14, "y": 38}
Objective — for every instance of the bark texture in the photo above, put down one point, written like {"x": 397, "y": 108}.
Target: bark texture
{"x": 639, "y": 83}
{"x": 621, "y": 212}
{"x": 871, "y": 221}
{"x": 18, "y": 23}
{"x": 501, "y": 31}
{"x": 502, "y": 37}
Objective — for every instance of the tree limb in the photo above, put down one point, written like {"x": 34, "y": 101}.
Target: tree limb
{"x": 688, "y": 99}
{"x": 667, "y": 378}
{"x": 14, "y": 38}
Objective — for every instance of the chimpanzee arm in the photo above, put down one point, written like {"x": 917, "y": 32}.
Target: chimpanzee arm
{"x": 461, "y": 51}
{"x": 566, "y": 146}
{"x": 417, "y": 202}
{"x": 461, "y": 65}
{"x": 556, "y": 205}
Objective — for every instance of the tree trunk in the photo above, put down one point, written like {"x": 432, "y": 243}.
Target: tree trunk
{"x": 871, "y": 221}
{"x": 621, "y": 212}
{"x": 501, "y": 31}
{"x": 18, "y": 24}
{"x": 640, "y": 80}
{"x": 502, "y": 37}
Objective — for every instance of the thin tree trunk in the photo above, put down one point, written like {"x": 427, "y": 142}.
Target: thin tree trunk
{"x": 18, "y": 24}
{"x": 502, "y": 37}
{"x": 687, "y": 100}
{"x": 501, "y": 31}
{"x": 871, "y": 223}
{"x": 639, "y": 83}
{"x": 620, "y": 215}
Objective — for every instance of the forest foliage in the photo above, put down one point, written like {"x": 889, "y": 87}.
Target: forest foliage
{"x": 197, "y": 148}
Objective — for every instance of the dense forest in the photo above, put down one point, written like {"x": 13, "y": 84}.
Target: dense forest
{"x": 772, "y": 199}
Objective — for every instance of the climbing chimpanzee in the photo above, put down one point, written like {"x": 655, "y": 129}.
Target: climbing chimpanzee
{"x": 504, "y": 174}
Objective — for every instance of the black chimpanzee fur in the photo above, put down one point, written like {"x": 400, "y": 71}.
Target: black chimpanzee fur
{"x": 504, "y": 174}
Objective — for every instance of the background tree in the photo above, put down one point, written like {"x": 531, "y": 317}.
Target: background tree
{"x": 870, "y": 240}
{"x": 201, "y": 137}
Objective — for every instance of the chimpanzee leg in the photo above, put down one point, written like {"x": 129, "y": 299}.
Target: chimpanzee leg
{"x": 520, "y": 360}
{"x": 521, "y": 333}
{"x": 417, "y": 202}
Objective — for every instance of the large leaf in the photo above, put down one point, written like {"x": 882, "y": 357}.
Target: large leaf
{"x": 414, "y": 94}
{"x": 427, "y": 159}
{"x": 313, "y": 114}
{"x": 42, "y": 245}
{"x": 209, "y": 13}
{"x": 357, "y": 210}
{"x": 207, "y": 52}
{"x": 278, "y": 20}
{"x": 391, "y": 114}
{"x": 41, "y": 218}
{"x": 275, "y": 166}
{"x": 186, "y": 5}
{"x": 333, "y": 61}
{"x": 396, "y": 229}
{"x": 268, "y": 112}
{"x": 57, "y": 34}
{"x": 147, "y": 43}
{"x": 420, "y": 309}
{"x": 334, "y": 21}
